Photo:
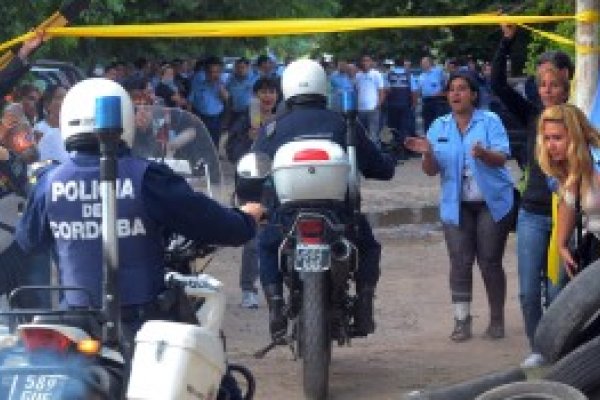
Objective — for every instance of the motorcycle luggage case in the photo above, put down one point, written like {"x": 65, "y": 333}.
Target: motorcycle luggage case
{"x": 173, "y": 361}
{"x": 311, "y": 170}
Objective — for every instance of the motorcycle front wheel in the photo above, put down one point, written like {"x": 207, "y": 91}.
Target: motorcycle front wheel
{"x": 315, "y": 340}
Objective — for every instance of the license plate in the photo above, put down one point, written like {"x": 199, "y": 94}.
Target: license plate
{"x": 37, "y": 387}
{"x": 312, "y": 257}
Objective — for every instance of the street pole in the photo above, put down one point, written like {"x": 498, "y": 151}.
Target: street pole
{"x": 586, "y": 73}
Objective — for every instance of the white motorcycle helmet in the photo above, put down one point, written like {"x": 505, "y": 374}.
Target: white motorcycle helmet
{"x": 77, "y": 114}
{"x": 303, "y": 77}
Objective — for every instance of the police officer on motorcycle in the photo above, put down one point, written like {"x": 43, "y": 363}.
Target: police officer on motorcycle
{"x": 304, "y": 86}
{"x": 63, "y": 211}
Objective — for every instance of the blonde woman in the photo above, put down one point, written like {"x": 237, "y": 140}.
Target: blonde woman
{"x": 568, "y": 149}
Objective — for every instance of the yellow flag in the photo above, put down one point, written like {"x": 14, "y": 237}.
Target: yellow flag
{"x": 553, "y": 255}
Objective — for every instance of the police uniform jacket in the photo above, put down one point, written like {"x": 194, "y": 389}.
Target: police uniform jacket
{"x": 64, "y": 212}
{"x": 314, "y": 122}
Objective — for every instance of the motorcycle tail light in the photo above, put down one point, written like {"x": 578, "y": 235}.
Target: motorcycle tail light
{"x": 311, "y": 155}
{"x": 89, "y": 346}
{"x": 311, "y": 230}
{"x": 45, "y": 339}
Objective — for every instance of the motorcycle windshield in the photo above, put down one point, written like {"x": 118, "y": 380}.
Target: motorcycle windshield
{"x": 180, "y": 140}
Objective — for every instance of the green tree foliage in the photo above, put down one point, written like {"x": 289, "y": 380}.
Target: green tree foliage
{"x": 16, "y": 18}
{"x": 479, "y": 41}
{"x": 442, "y": 42}
{"x": 538, "y": 44}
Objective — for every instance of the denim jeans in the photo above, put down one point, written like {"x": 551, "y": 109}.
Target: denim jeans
{"x": 249, "y": 268}
{"x": 533, "y": 236}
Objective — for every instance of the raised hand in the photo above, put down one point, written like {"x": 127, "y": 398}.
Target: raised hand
{"x": 31, "y": 45}
{"x": 477, "y": 151}
{"x": 418, "y": 145}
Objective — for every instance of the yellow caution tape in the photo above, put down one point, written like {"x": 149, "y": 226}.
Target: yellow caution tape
{"x": 549, "y": 35}
{"x": 13, "y": 42}
{"x": 282, "y": 26}
{"x": 5, "y": 59}
{"x": 588, "y": 16}
{"x": 302, "y": 26}
{"x": 580, "y": 49}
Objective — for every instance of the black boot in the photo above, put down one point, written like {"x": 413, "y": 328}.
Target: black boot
{"x": 277, "y": 318}
{"x": 364, "y": 322}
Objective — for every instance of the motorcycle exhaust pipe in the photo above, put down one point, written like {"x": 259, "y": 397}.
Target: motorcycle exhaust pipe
{"x": 341, "y": 250}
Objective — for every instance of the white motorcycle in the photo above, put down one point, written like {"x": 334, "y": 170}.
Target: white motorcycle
{"x": 183, "y": 360}
{"x": 76, "y": 354}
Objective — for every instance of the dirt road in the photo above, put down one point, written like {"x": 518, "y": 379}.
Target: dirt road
{"x": 410, "y": 348}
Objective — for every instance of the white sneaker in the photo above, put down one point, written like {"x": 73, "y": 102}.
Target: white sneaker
{"x": 249, "y": 299}
{"x": 534, "y": 360}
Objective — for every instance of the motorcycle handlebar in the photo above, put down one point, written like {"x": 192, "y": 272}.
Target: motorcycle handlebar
{"x": 176, "y": 280}
{"x": 182, "y": 250}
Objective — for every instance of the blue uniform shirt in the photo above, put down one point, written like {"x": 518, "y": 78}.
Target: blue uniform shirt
{"x": 240, "y": 92}
{"x": 401, "y": 85}
{"x": 338, "y": 83}
{"x": 431, "y": 83}
{"x": 205, "y": 97}
{"x": 163, "y": 202}
{"x": 452, "y": 149}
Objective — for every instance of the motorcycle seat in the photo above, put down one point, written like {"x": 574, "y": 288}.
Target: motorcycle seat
{"x": 89, "y": 323}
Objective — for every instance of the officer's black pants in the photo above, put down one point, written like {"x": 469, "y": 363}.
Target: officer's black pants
{"x": 400, "y": 119}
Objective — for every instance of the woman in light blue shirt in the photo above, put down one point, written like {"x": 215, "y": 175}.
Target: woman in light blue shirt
{"x": 468, "y": 148}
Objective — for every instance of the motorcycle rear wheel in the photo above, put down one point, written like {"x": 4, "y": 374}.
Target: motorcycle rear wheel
{"x": 315, "y": 336}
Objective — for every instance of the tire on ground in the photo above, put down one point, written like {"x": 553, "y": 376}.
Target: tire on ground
{"x": 316, "y": 341}
{"x": 558, "y": 330}
{"x": 580, "y": 368}
{"x": 533, "y": 390}
{"x": 470, "y": 389}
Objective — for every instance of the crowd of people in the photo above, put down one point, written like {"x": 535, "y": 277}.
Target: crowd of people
{"x": 387, "y": 90}
{"x": 463, "y": 141}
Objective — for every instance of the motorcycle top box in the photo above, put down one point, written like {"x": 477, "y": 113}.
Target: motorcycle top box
{"x": 311, "y": 170}
{"x": 175, "y": 361}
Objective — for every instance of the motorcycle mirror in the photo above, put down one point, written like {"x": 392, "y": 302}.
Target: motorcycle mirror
{"x": 254, "y": 165}
{"x": 251, "y": 172}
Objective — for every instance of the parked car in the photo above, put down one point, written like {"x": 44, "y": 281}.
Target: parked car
{"x": 56, "y": 72}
